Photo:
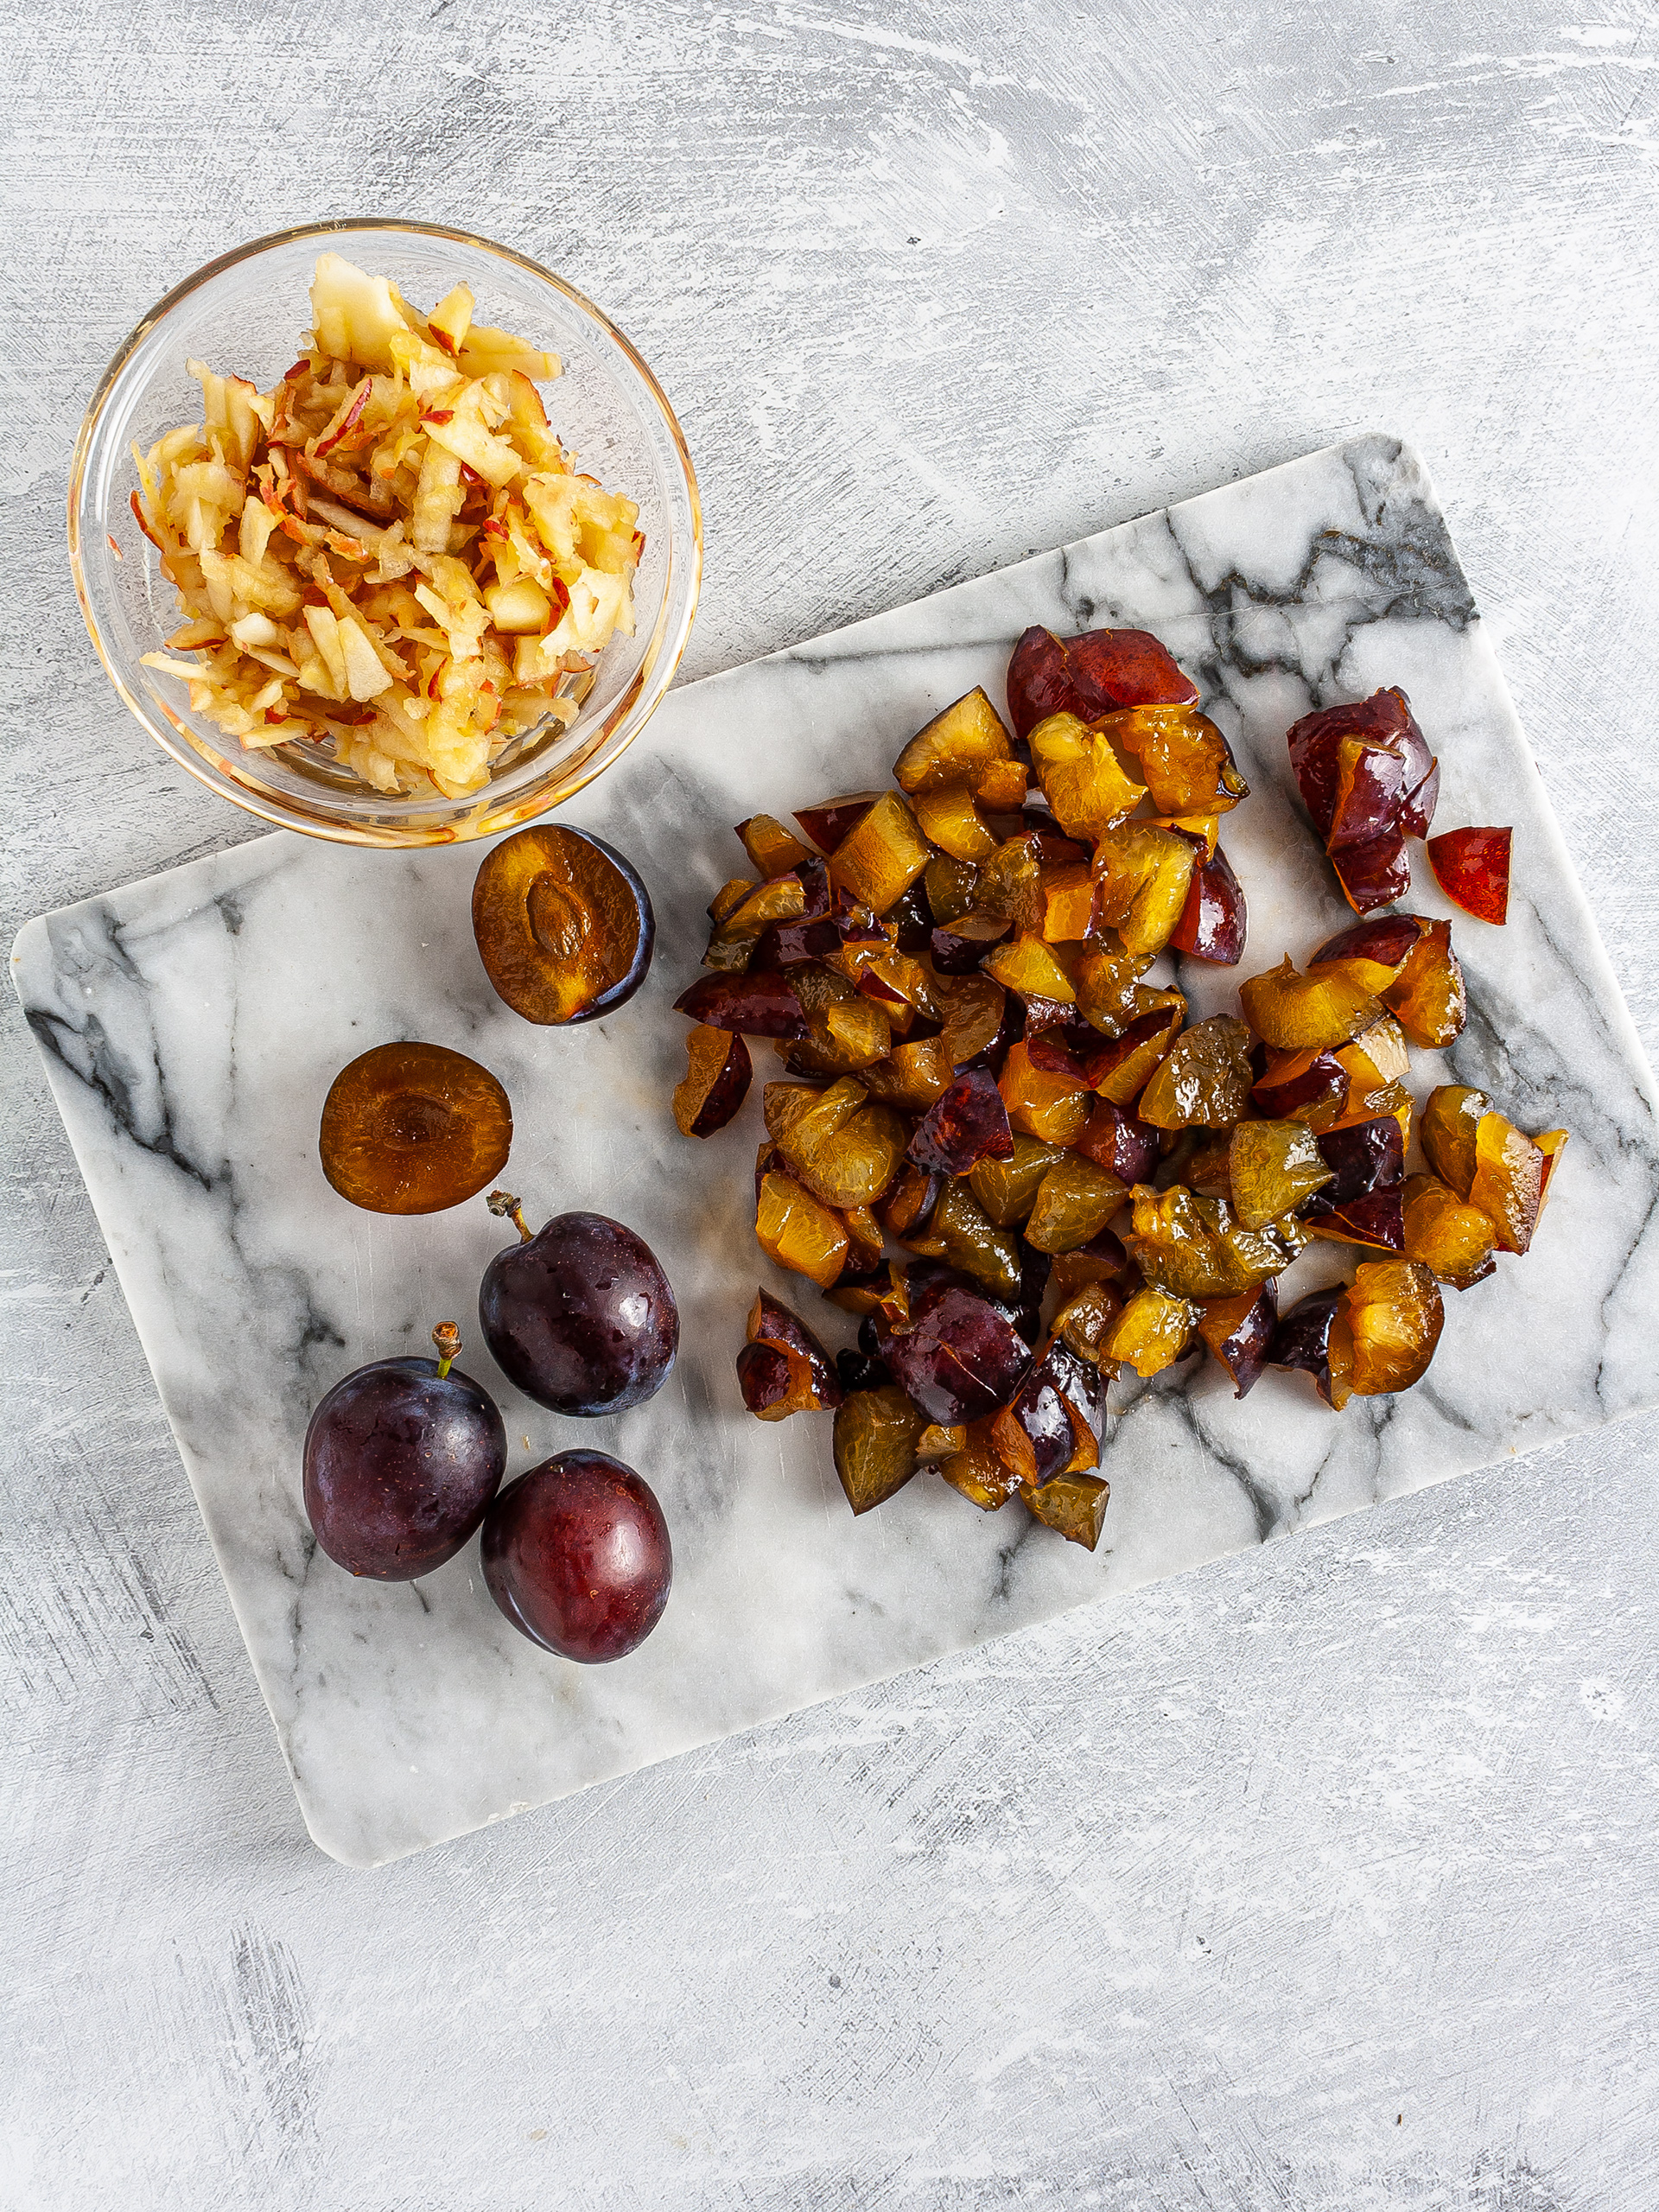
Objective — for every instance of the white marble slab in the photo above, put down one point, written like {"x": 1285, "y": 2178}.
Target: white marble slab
{"x": 191, "y": 1025}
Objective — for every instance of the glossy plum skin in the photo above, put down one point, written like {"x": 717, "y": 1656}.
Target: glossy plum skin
{"x": 968, "y": 1123}
{"x": 1091, "y": 676}
{"x": 1215, "y": 919}
{"x": 400, "y": 1467}
{"x": 960, "y": 1359}
{"x": 582, "y": 1318}
{"x": 576, "y": 1554}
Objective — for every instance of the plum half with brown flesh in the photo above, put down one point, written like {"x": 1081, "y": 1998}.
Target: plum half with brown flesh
{"x": 563, "y": 924}
{"x": 576, "y": 1554}
{"x": 401, "y": 1461}
{"x": 579, "y": 1315}
{"x": 413, "y": 1129}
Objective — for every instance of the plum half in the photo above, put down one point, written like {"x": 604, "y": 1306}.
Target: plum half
{"x": 413, "y": 1129}
{"x": 580, "y": 1315}
{"x": 563, "y": 923}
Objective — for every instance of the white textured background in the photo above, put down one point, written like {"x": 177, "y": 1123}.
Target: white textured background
{"x": 1326, "y": 1878}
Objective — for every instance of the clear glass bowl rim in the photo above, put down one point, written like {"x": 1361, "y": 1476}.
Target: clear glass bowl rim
{"x": 621, "y": 725}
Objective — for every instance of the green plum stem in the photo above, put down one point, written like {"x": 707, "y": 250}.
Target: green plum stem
{"x": 447, "y": 1337}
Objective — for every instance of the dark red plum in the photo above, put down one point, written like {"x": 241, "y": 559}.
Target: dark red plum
{"x": 967, "y": 1122}
{"x": 1111, "y": 1052}
{"x": 858, "y": 1371}
{"x": 1384, "y": 722}
{"x": 1418, "y": 808}
{"x": 912, "y": 917}
{"x": 781, "y": 944}
{"x": 1035, "y": 1429}
{"x": 832, "y": 819}
{"x": 1375, "y": 873}
{"x": 1369, "y": 782}
{"x": 783, "y": 1368}
{"x": 1364, "y": 1157}
{"x": 1215, "y": 919}
{"x": 580, "y": 1316}
{"x": 1388, "y": 941}
{"x": 1363, "y": 1199}
{"x": 1287, "y": 1081}
{"x": 1377, "y": 1217}
{"x": 576, "y": 1554}
{"x": 401, "y": 1461}
{"x": 716, "y": 1083}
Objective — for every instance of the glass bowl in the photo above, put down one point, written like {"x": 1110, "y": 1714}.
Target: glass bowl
{"x": 247, "y": 312}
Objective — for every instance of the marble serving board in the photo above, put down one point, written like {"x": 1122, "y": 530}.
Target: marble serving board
{"x": 191, "y": 1025}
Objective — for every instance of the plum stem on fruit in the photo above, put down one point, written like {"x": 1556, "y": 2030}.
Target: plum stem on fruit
{"x": 503, "y": 1202}
{"x": 447, "y": 1337}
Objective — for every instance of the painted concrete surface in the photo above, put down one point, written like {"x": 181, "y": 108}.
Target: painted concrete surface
{"x": 1323, "y": 1877}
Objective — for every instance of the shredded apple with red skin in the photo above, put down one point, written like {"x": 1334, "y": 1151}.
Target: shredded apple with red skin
{"x": 390, "y": 554}
{"x": 985, "y": 1079}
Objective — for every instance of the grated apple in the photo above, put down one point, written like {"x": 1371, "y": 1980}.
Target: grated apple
{"x": 389, "y": 556}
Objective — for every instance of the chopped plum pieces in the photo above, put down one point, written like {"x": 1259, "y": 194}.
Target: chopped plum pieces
{"x": 1369, "y": 782}
{"x": 968, "y": 1123}
{"x": 1215, "y": 919}
{"x": 1473, "y": 868}
{"x": 1094, "y": 1185}
{"x": 1091, "y": 676}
